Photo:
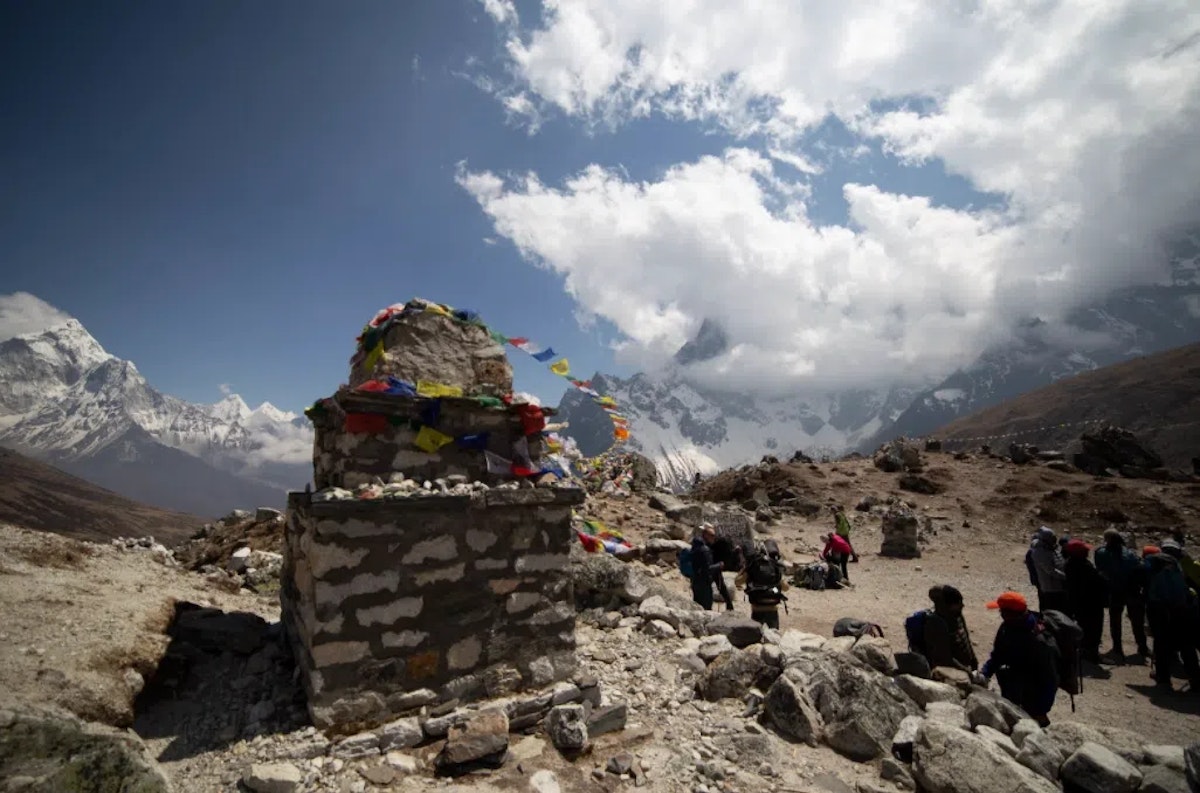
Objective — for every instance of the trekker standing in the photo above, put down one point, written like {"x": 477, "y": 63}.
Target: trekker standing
{"x": 1048, "y": 564}
{"x": 730, "y": 557}
{"x": 1022, "y": 660}
{"x": 705, "y": 569}
{"x": 1087, "y": 592}
{"x": 762, "y": 579}
{"x": 1170, "y": 607}
{"x": 1123, "y": 571}
{"x": 842, "y": 529}
{"x": 942, "y": 636}
{"x": 837, "y": 552}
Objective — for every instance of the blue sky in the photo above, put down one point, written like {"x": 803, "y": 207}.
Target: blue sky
{"x": 224, "y": 192}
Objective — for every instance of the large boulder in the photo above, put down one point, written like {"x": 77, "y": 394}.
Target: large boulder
{"x": 1161, "y": 779}
{"x": 860, "y": 708}
{"x": 602, "y": 581}
{"x": 1116, "y": 449}
{"x": 900, "y": 532}
{"x": 1040, "y": 754}
{"x": 905, "y": 737}
{"x": 1097, "y": 769}
{"x": 875, "y": 652}
{"x": 422, "y": 345}
{"x": 985, "y": 710}
{"x": 479, "y": 742}
{"x": 1070, "y": 735}
{"x": 567, "y": 727}
{"x": 741, "y": 631}
{"x": 947, "y": 759}
{"x": 66, "y": 754}
{"x": 898, "y": 455}
{"x": 923, "y": 692}
{"x": 731, "y": 675}
{"x": 1191, "y": 760}
{"x": 791, "y": 712}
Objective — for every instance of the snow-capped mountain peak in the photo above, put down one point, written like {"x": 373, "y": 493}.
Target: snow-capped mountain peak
{"x": 63, "y": 397}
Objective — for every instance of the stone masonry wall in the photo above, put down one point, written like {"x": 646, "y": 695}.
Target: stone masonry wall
{"x": 394, "y": 605}
{"x": 346, "y": 459}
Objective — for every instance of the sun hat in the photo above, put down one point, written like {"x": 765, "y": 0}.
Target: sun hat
{"x": 1009, "y": 601}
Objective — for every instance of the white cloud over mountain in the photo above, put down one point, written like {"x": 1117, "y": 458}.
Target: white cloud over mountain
{"x": 21, "y": 312}
{"x": 1080, "y": 117}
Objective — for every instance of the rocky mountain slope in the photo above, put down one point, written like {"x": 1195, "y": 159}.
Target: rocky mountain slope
{"x": 39, "y": 496}
{"x": 1131, "y": 323}
{"x": 1155, "y": 396}
{"x": 66, "y": 400}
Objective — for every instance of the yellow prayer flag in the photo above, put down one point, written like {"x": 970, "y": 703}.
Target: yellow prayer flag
{"x": 435, "y": 308}
{"x": 606, "y": 401}
{"x": 561, "y": 367}
{"x": 437, "y": 390}
{"x": 430, "y": 440}
{"x": 373, "y": 357}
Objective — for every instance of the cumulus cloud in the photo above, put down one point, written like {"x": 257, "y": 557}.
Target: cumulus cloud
{"x": 21, "y": 312}
{"x": 1079, "y": 117}
{"x": 225, "y": 388}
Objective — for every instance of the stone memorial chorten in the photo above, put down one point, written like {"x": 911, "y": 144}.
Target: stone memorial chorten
{"x": 427, "y": 566}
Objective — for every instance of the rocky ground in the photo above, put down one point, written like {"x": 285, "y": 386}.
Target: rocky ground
{"x": 85, "y": 626}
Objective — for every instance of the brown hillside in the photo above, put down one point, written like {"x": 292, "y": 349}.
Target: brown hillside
{"x": 1157, "y": 397}
{"x": 39, "y": 496}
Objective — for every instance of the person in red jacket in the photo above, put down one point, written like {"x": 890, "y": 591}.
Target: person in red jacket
{"x": 837, "y": 553}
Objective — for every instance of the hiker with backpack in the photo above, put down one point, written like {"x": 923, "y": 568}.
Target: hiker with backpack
{"x": 940, "y": 634}
{"x": 761, "y": 578}
{"x": 703, "y": 567}
{"x": 842, "y": 529}
{"x": 1126, "y": 577}
{"x": 730, "y": 556}
{"x": 1088, "y": 593}
{"x": 1170, "y": 608}
{"x": 837, "y": 552}
{"x": 1047, "y": 571}
{"x": 1025, "y": 658}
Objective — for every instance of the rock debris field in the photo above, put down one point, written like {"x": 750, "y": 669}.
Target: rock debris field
{"x": 171, "y": 672}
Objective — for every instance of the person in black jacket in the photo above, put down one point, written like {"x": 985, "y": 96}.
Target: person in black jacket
{"x": 705, "y": 569}
{"x": 730, "y": 557}
{"x": 1087, "y": 593}
{"x": 1022, "y": 660}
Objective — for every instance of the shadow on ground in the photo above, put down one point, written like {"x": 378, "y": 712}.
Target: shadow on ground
{"x": 225, "y": 676}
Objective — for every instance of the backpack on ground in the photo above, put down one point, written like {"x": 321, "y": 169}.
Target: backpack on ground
{"x": 852, "y": 626}
{"x": 684, "y": 559}
{"x": 764, "y": 576}
{"x": 1065, "y": 637}
{"x": 813, "y": 576}
{"x": 914, "y": 628}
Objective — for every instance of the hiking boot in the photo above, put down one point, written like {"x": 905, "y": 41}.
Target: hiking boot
{"x": 1115, "y": 657}
{"x": 1164, "y": 686}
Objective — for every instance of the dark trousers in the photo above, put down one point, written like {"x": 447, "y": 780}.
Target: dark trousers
{"x": 1173, "y": 635}
{"x": 1054, "y": 601}
{"x": 1137, "y": 618}
{"x": 767, "y": 617}
{"x": 719, "y": 580}
{"x": 840, "y": 560}
{"x": 1091, "y": 620}
{"x": 702, "y": 593}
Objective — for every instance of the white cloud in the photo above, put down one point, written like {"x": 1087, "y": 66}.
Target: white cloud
{"x": 1080, "y": 116}
{"x": 503, "y": 11}
{"x": 225, "y": 388}
{"x": 21, "y": 312}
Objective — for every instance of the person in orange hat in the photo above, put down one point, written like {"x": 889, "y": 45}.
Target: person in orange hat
{"x": 1087, "y": 592}
{"x": 1023, "y": 658}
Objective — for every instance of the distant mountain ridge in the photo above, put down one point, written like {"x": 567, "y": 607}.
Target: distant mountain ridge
{"x": 687, "y": 430}
{"x": 1157, "y": 397}
{"x": 66, "y": 400}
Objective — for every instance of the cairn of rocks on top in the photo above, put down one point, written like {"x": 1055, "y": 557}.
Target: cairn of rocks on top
{"x": 427, "y": 567}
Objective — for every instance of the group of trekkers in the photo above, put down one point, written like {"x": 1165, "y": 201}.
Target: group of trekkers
{"x": 1035, "y": 653}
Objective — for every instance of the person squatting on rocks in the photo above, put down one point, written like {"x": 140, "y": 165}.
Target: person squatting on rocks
{"x": 837, "y": 552}
{"x": 842, "y": 524}
{"x": 1171, "y": 609}
{"x": 940, "y": 634}
{"x": 1023, "y": 662}
{"x": 762, "y": 579}
{"x": 1126, "y": 577}
{"x": 1087, "y": 592}
{"x": 705, "y": 569}
{"x": 1046, "y": 570}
